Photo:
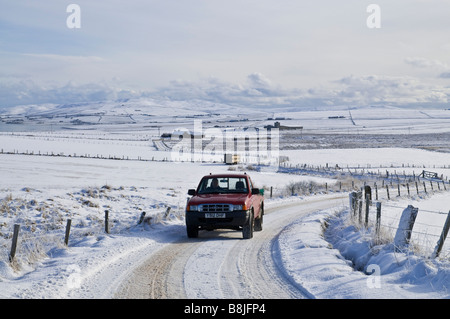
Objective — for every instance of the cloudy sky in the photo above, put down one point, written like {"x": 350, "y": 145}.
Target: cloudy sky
{"x": 249, "y": 52}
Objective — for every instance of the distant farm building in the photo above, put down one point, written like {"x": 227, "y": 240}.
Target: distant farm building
{"x": 282, "y": 127}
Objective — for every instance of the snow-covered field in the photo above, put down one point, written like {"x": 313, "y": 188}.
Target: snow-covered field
{"x": 112, "y": 164}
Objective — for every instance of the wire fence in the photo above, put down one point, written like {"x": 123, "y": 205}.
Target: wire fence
{"x": 36, "y": 238}
{"x": 385, "y": 184}
{"x": 30, "y": 240}
{"x": 424, "y": 231}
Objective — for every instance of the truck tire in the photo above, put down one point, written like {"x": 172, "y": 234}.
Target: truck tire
{"x": 192, "y": 231}
{"x": 247, "y": 229}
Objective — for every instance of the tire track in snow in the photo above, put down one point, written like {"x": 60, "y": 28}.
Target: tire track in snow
{"x": 220, "y": 264}
{"x": 253, "y": 268}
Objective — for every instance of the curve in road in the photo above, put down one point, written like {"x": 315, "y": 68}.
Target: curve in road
{"x": 220, "y": 264}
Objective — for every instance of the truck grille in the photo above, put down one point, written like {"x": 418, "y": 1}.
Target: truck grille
{"x": 215, "y": 208}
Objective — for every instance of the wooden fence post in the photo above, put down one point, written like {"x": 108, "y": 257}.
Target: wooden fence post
{"x": 167, "y": 212}
{"x": 378, "y": 223}
{"x": 66, "y": 238}
{"x": 12, "y": 254}
{"x": 366, "y": 219}
{"x": 141, "y": 218}
{"x": 440, "y": 243}
{"x": 405, "y": 226}
{"x": 352, "y": 203}
{"x": 107, "y": 221}
{"x": 387, "y": 191}
{"x": 360, "y": 204}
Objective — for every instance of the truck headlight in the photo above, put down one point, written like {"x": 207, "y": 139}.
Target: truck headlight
{"x": 192, "y": 208}
{"x": 238, "y": 207}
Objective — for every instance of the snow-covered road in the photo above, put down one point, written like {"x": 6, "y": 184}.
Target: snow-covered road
{"x": 220, "y": 264}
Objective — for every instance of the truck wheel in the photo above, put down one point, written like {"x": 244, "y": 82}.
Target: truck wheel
{"x": 259, "y": 220}
{"x": 192, "y": 231}
{"x": 247, "y": 230}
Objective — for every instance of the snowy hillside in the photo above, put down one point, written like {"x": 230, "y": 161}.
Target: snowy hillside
{"x": 63, "y": 162}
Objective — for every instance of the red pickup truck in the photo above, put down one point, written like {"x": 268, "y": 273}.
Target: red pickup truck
{"x": 225, "y": 201}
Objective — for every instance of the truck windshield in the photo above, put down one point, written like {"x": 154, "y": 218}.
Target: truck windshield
{"x": 213, "y": 185}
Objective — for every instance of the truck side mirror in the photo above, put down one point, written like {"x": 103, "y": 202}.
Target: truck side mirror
{"x": 191, "y": 192}
{"x": 255, "y": 191}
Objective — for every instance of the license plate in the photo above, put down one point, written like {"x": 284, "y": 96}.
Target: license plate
{"x": 215, "y": 215}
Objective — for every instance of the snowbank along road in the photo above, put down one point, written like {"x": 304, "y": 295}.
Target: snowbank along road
{"x": 220, "y": 264}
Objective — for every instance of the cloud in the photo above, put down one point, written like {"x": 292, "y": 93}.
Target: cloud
{"x": 396, "y": 91}
{"x": 445, "y": 75}
{"x": 65, "y": 58}
{"x": 367, "y": 90}
{"x": 419, "y": 62}
{"x": 259, "y": 81}
{"x": 26, "y": 91}
{"x": 307, "y": 45}
{"x": 256, "y": 90}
